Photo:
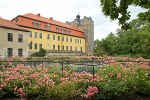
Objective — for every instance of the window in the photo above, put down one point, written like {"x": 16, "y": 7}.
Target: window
{"x": 78, "y": 49}
{"x": 62, "y": 30}
{"x": 75, "y": 40}
{"x": 20, "y": 38}
{"x": 48, "y": 36}
{"x": 40, "y": 35}
{"x": 30, "y": 34}
{"x": 39, "y": 24}
{"x": 70, "y": 31}
{"x": 35, "y": 34}
{"x": 30, "y": 45}
{"x": 57, "y": 28}
{"x": 16, "y": 20}
{"x": 40, "y": 46}
{"x": 35, "y": 45}
{"x": 48, "y": 46}
{"x": 10, "y": 37}
{"x": 20, "y": 52}
{"x": 75, "y": 48}
{"x": 70, "y": 48}
{"x": 58, "y": 47}
{"x": 9, "y": 50}
{"x": 70, "y": 39}
{"x": 48, "y": 26}
{"x": 63, "y": 48}
{"x": 67, "y": 48}
{"x": 66, "y": 30}
{"x": 66, "y": 39}
{"x": 80, "y": 41}
{"x": 62, "y": 38}
{"x": 53, "y": 47}
{"x": 53, "y": 37}
{"x": 81, "y": 48}
{"x": 34, "y": 23}
{"x": 58, "y": 38}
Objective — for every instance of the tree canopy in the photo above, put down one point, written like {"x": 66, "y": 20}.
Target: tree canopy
{"x": 118, "y": 9}
{"x": 134, "y": 41}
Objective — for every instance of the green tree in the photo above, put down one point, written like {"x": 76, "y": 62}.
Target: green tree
{"x": 135, "y": 41}
{"x": 99, "y": 49}
{"x": 118, "y": 9}
{"x": 142, "y": 41}
{"x": 105, "y": 46}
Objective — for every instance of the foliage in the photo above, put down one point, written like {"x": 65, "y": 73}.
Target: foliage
{"x": 113, "y": 81}
{"x": 123, "y": 80}
{"x": 118, "y": 9}
{"x": 65, "y": 91}
{"x": 69, "y": 58}
{"x": 134, "y": 41}
{"x": 41, "y": 53}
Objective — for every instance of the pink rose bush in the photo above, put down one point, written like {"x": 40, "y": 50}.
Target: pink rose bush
{"x": 90, "y": 92}
{"x": 21, "y": 80}
{"x": 112, "y": 81}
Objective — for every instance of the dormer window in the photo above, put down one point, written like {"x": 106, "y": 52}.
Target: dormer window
{"x": 69, "y": 31}
{"x": 34, "y": 23}
{"x": 57, "y": 28}
{"x": 48, "y": 26}
{"x": 16, "y": 20}
{"x": 66, "y": 30}
{"x": 39, "y": 24}
{"x": 62, "y": 30}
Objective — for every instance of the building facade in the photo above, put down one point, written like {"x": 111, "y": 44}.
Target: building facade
{"x": 51, "y": 34}
{"x": 87, "y": 26}
{"x": 13, "y": 39}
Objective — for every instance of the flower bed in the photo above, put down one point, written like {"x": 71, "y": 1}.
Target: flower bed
{"x": 111, "y": 82}
{"x": 100, "y": 58}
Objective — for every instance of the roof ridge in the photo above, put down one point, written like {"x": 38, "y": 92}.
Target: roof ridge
{"x": 48, "y": 19}
{"x": 7, "y": 20}
{"x": 10, "y": 24}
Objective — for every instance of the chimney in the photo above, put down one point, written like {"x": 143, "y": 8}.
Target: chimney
{"x": 51, "y": 18}
{"x": 38, "y": 14}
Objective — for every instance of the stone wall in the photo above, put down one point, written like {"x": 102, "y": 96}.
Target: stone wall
{"x": 88, "y": 28}
{"x": 31, "y": 52}
{"x": 90, "y": 36}
{"x": 65, "y": 54}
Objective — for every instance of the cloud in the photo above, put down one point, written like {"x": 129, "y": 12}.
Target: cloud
{"x": 64, "y": 10}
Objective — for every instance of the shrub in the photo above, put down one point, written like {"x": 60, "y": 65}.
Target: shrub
{"x": 41, "y": 53}
{"x": 114, "y": 81}
{"x": 65, "y": 91}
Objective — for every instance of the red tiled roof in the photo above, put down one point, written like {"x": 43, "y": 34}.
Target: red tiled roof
{"x": 27, "y": 21}
{"x": 9, "y": 24}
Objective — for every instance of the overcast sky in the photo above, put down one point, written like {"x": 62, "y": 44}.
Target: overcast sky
{"x": 65, "y": 10}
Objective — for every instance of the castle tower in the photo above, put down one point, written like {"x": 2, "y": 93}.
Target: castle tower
{"x": 87, "y": 26}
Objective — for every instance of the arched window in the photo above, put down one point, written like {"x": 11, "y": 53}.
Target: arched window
{"x": 62, "y": 30}
{"x": 66, "y": 30}
{"x": 48, "y": 26}
{"x": 34, "y": 23}
{"x": 57, "y": 28}
{"x": 39, "y": 24}
{"x": 69, "y": 31}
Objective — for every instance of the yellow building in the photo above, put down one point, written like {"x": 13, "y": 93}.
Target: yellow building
{"x": 50, "y": 34}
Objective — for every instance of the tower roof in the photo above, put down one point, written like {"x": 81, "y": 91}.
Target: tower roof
{"x": 78, "y": 16}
